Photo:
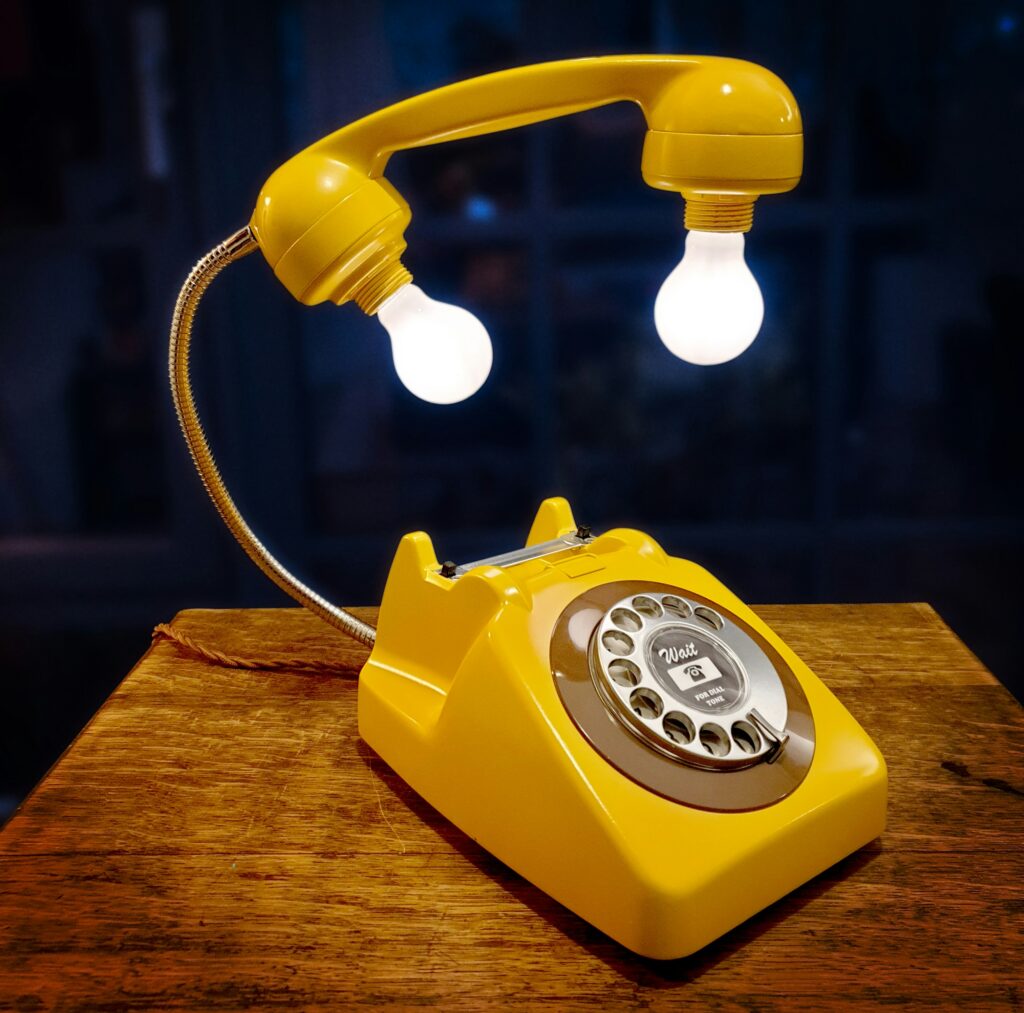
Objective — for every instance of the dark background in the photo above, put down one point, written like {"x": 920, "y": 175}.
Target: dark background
{"x": 866, "y": 448}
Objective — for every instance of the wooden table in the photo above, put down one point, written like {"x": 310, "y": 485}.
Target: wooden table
{"x": 220, "y": 839}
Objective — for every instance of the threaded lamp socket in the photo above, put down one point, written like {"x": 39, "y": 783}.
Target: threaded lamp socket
{"x": 381, "y": 284}
{"x": 719, "y": 214}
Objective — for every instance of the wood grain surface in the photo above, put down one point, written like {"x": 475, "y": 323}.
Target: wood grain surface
{"x": 221, "y": 840}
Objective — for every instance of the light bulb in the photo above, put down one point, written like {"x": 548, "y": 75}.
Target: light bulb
{"x": 710, "y": 308}
{"x": 442, "y": 352}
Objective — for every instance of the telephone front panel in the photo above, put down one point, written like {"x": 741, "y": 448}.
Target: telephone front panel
{"x": 618, "y": 727}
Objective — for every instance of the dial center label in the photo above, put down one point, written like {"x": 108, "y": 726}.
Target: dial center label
{"x": 694, "y": 669}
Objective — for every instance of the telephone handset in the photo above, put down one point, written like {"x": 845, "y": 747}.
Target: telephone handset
{"x": 619, "y": 728}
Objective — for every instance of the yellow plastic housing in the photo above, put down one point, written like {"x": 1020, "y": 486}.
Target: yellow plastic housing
{"x": 458, "y": 697}
{"x": 721, "y": 132}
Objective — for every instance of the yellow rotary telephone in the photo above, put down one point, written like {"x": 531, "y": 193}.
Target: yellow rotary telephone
{"x": 608, "y": 720}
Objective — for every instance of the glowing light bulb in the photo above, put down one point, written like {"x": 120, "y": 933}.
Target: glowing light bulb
{"x": 710, "y": 307}
{"x": 442, "y": 352}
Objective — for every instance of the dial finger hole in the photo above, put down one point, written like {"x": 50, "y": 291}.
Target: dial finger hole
{"x": 714, "y": 740}
{"x": 624, "y": 673}
{"x": 626, "y": 620}
{"x": 646, "y": 703}
{"x": 676, "y": 606}
{"x": 706, "y": 615}
{"x": 617, "y": 642}
{"x": 745, "y": 736}
{"x": 647, "y": 606}
{"x": 679, "y": 728}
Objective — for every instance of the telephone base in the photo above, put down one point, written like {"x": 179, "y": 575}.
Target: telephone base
{"x": 480, "y": 694}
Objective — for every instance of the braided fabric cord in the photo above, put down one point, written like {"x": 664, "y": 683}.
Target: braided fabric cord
{"x": 234, "y": 248}
{"x": 165, "y": 631}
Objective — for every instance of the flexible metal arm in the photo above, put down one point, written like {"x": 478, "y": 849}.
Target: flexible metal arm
{"x": 234, "y": 248}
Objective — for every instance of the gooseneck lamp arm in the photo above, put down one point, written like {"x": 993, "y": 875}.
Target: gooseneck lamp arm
{"x": 199, "y": 279}
{"x": 721, "y": 132}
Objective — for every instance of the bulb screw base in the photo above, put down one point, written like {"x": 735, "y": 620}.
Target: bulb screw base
{"x": 719, "y": 213}
{"x": 380, "y": 284}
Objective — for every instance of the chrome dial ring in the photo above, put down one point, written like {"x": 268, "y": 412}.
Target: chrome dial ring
{"x": 685, "y": 679}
